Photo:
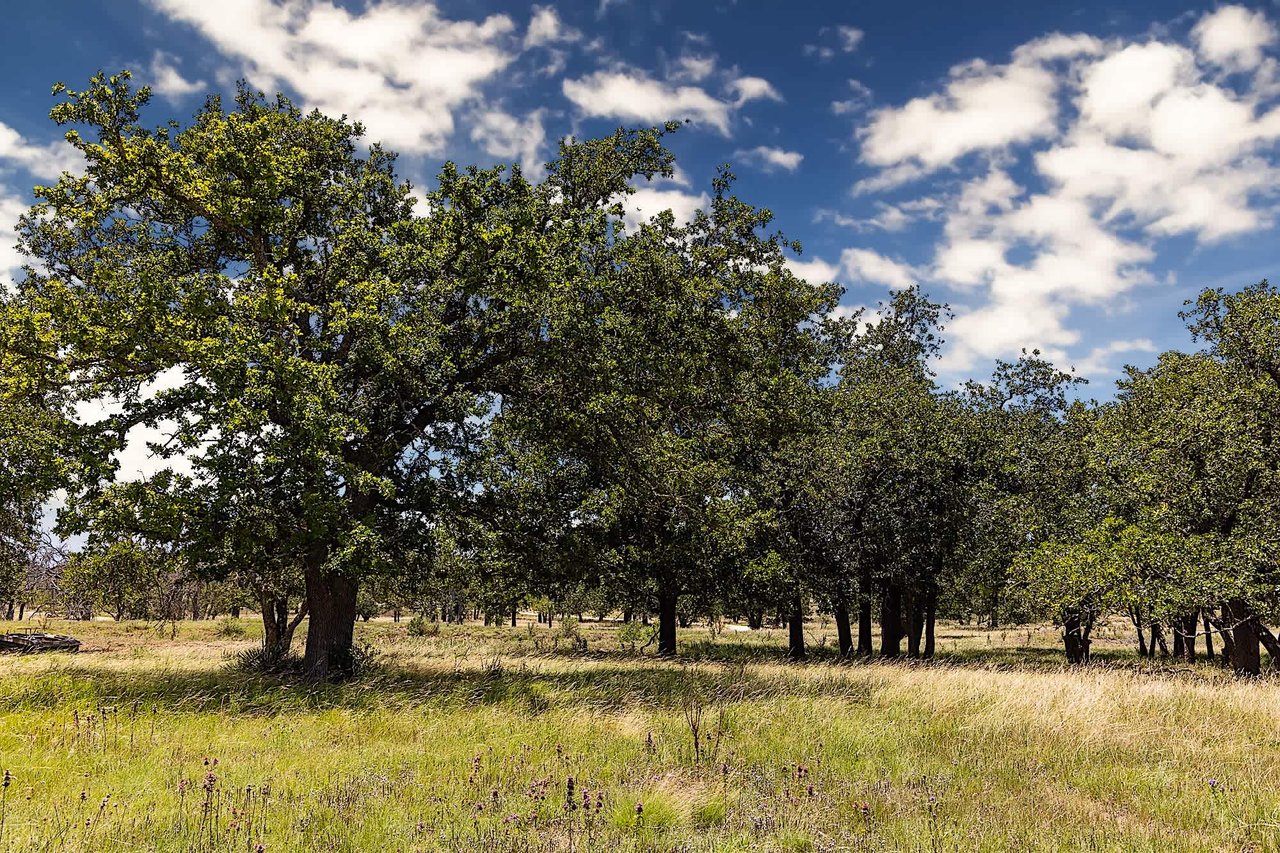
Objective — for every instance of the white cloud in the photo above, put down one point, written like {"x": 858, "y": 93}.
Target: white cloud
{"x": 43, "y": 162}
{"x": 503, "y": 135}
{"x": 838, "y": 39}
{"x": 850, "y": 37}
{"x": 168, "y": 81}
{"x": 647, "y": 202}
{"x": 401, "y": 69}
{"x": 814, "y": 271}
{"x": 857, "y": 266}
{"x": 982, "y": 108}
{"x": 545, "y": 27}
{"x": 46, "y": 162}
{"x": 1100, "y": 362}
{"x": 770, "y": 159}
{"x": 11, "y": 207}
{"x": 752, "y": 89}
{"x": 1233, "y": 37}
{"x": 635, "y": 96}
{"x": 1125, "y": 144}
{"x": 859, "y": 98}
{"x": 864, "y": 265}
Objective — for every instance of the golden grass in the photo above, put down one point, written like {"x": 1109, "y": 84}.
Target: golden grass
{"x": 468, "y": 739}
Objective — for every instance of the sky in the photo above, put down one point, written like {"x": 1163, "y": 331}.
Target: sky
{"x": 1063, "y": 175}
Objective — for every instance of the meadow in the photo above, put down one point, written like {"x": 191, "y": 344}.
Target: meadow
{"x": 576, "y": 738}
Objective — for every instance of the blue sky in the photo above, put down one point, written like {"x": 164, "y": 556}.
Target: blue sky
{"x": 1063, "y": 175}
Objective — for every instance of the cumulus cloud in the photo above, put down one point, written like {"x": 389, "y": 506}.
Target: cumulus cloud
{"x": 20, "y": 161}
{"x": 1233, "y": 37}
{"x": 167, "y": 81}
{"x": 747, "y": 89}
{"x": 647, "y": 202}
{"x": 44, "y": 161}
{"x": 402, "y": 69}
{"x": 634, "y": 95}
{"x": 545, "y": 27}
{"x": 1125, "y": 144}
{"x": 857, "y": 266}
{"x": 770, "y": 159}
{"x": 509, "y": 138}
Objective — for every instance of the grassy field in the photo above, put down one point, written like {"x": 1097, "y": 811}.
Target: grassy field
{"x": 518, "y": 739}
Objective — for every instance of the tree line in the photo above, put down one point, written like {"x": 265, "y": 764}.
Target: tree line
{"x": 501, "y": 395}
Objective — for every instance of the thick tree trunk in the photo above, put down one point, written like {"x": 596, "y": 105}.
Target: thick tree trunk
{"x": 666, "y": 621}
{"x": 795, "y": 630}
{"x": 1188, "y": 632}
{"x": 866, "y": 627}
{"x": 930, "y": 617}
{"x": 331, "y": 598}
{"x": 1075, "y": 638}
{"x": 515, "y": 612}
{"x": 1157, "y": 640}
{"x": 891, "y": 621}
{"x": 1246, "y": 653}
{"x": 844, "y": 632}
{"x": 914, "y": 609}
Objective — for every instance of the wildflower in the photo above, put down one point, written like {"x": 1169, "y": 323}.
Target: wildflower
{"x": 259, "y": 848}
{"x": 639, "y": 809}
{"x": 810, "y": 790}
{"x": 8, "y": 779}
{"x": 568, "y": 794}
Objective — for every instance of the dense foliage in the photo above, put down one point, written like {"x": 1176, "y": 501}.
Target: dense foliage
{"x": 504, "y": 395}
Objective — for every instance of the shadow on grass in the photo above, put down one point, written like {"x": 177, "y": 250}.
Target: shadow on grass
{"x": 708, "y": 672}
{"x": 69, "y": 687}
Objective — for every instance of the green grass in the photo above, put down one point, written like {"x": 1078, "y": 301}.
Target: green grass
{"x": 468, "y": 739}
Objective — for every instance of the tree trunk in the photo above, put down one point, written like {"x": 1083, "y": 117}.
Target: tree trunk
{"x": 666, "y": 621}
{"x": 844, "y": 633}
{"x": 1075, "y": 638}
{"x": 1246, "y": 653}
{"x": 795, "y": 630}
{"x": 755, "y": 620}
{"x": 914, "y": 609}
{"x": 1135, "y": 616}
{"x": 331, "y": 598}
{"x": 515, "y": 612}
{"x": 891, "y": 621}
{"x": 865, "y": 626}
{"x": 1188, "y": 632}
{"x": 930, "y": 616}
{"x": 1208, "y": 635}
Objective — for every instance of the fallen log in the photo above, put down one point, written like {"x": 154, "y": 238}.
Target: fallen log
{"x": 31, "y": 642}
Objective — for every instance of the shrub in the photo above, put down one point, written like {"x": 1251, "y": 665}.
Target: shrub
{"x": 230, "y": 627}
{"x": 421, "y": 627}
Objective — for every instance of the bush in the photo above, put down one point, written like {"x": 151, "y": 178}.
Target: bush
{"x": 259, "y": 662}
{"x": 230, "y": 627}
{"x": 420, "y": 627}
